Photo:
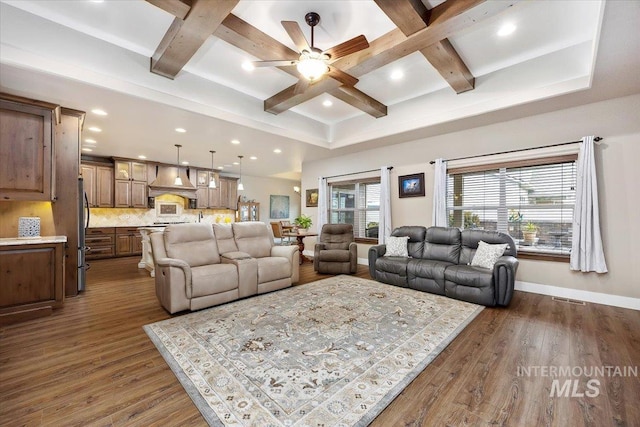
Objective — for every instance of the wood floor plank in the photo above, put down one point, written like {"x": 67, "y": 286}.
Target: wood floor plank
{"x": 91, "y": 363}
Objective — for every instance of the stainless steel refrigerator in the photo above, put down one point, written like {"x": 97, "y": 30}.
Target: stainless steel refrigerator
{"x": 84, "y": 215}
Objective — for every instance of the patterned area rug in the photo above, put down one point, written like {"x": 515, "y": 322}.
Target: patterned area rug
{"x": 332, "y": 352}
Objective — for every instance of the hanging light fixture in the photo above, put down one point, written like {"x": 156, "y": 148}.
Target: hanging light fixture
{"x": 240, "y": 186}
{"x": 212, "y": 182}
{"x": 178, "y": 181}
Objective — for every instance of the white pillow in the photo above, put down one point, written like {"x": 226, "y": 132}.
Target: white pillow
{"x": 397, "y": 246}
{"x": 487, "y": 255}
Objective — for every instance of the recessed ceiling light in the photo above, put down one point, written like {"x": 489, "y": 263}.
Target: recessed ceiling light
{"x": 99, "y": 112}
{"x": 181, "y": 130}
{"x": 88, "y": 150}
{"x": 90, "y": 141}
{"x": 236, "y": 163}
{"x": 142, "y": 157}
{"x": 235, "y": 141}
{"x": 185, "y": 163}
{"x": 506, "y": 29}
{"x": 248, "y": 66}
{"x": 253, "y": 158}
{"x": 220, "y": 168}
{"x": 397, "y": 75}
{"x": 95, "y": 129}
{"x": 277, "y": 151}
{"x": 327, "y": 103}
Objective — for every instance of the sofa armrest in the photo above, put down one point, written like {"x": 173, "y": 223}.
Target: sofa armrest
{"x": 316, "y": 255}
{"x": 247, "y": 268}
{"x": 353, "y": 257}
{"x": 375, "y": 252}
{"x": 504, "y": 278}
{"x": 173, "y": 284}
{"x": 292, "y": 253}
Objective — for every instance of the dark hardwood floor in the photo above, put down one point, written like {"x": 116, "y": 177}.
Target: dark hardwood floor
{"x": 91, "y": 363}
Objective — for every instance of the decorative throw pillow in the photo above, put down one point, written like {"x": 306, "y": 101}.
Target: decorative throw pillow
{"x": 487, "y": 255}
{"x": 397, "y": 246}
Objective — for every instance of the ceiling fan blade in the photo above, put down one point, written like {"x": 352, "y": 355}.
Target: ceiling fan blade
{"x": 276, "y": 63}
{"x": 341, "y": 76}
{"x": 347, "y": 48}
{"x": 301, "y": 86}
{"x": 293, "y": 29}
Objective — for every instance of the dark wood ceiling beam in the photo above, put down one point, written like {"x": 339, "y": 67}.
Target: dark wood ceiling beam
{"x": 360, "y": 100}
{"x": 185, "y": 36}
{"x": 445, "y": 19}
{"x": 178, "y": 8}
{"x": 411, "y": 16}
{"x": 447, "y": 62}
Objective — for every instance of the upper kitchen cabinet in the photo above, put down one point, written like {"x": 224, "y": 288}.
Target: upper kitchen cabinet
{"x": 228, "y": 192}
{"x": 27, "y": 131}
{"x": 98, "y": 184}
{"x": 130, "y": 184}
{"x": 207, "y": 197}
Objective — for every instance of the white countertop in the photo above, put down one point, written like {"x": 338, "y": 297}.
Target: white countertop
{"x": 9, "y": 241}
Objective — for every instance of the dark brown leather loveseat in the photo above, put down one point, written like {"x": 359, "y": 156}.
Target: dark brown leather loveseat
{"x": 439, "y": 262}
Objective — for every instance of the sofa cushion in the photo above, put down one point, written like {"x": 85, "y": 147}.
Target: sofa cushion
{"x": 193, "y": 243}
{"x": 273, "y": 268}
{"x": 393, "y": 264}
{"x": 213, "y": 279}
{"x": 334, "y": 255}
{"x": 486, "y": 255}
{"x": 254, "y": 238}
{"x": 427, "y": 268}
{"x": 416, "y": 234}
{"x": 471, "y": 238}
{"x": 442, "y": 244}
{"x": 224, "y": 237}
{"x": 467, "y": 275}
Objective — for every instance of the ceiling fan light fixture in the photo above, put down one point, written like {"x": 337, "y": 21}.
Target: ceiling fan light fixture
{"x": 312, "y": 65}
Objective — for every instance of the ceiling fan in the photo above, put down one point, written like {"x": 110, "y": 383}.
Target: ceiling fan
{"x": 314, "y": 63}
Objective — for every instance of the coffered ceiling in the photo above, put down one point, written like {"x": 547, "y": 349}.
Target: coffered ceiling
{"x": 157, "y": 65}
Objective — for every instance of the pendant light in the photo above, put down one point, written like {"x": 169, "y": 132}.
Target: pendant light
{"x": 240, "y": 186}
{"x": 212, "y": 182}
{"x": 178, "y": 181}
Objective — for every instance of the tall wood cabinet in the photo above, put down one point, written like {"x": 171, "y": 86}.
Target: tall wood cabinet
{"x": 98, "y": 184}
{"x": 130, "y": 184}
{"x": 27, "y": 130}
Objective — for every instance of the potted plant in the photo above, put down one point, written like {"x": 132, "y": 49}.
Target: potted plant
{"x": 303, "y": 221}
{"x": 529, "y": 232}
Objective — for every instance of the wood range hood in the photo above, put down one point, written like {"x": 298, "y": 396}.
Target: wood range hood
{"x": 165, "y": 182}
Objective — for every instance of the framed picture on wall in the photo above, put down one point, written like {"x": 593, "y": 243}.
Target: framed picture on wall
{"x": 279, "y": 207}
{"x": 411, "y": 185}
{"x": 312, "y": 198}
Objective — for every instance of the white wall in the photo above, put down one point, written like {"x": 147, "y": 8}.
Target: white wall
{"x": 617, "y": 163}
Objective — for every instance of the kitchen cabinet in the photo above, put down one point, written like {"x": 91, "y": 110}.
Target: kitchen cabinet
{"x": 101, "y": 242}
{"x": 128, "y": 241}
{"x": 207, "y": 197}
{"x": 248, "y": 211}
{"x": 27, "y": 130}
{"x": 228, "y": 192}
{"x": 98, "y": 184}
{"x": 130, "y": 185}
{"x": 31, "y": 277}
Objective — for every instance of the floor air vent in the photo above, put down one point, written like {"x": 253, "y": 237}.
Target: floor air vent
{"x": 569, "y": 301}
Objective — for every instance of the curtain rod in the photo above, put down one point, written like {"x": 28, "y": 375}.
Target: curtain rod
{"x": 355, "y": 173}
{"x": 596, "y": 139}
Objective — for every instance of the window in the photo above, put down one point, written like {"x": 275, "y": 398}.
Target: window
{"x": 530, "y": 200}
{"x": 356, "y": 203}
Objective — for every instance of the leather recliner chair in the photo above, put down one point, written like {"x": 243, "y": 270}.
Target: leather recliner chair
{"x": 336, "y": 252}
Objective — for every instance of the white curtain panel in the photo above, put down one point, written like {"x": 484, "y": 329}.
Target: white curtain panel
{"x": 440, "y": 194}
{"x": 586, "y": 242}
{"x": 322, "y": 203}
{"x": 384, "y": 225}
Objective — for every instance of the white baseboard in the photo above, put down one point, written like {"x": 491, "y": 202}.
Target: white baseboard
{"x": 577, "y": 294}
